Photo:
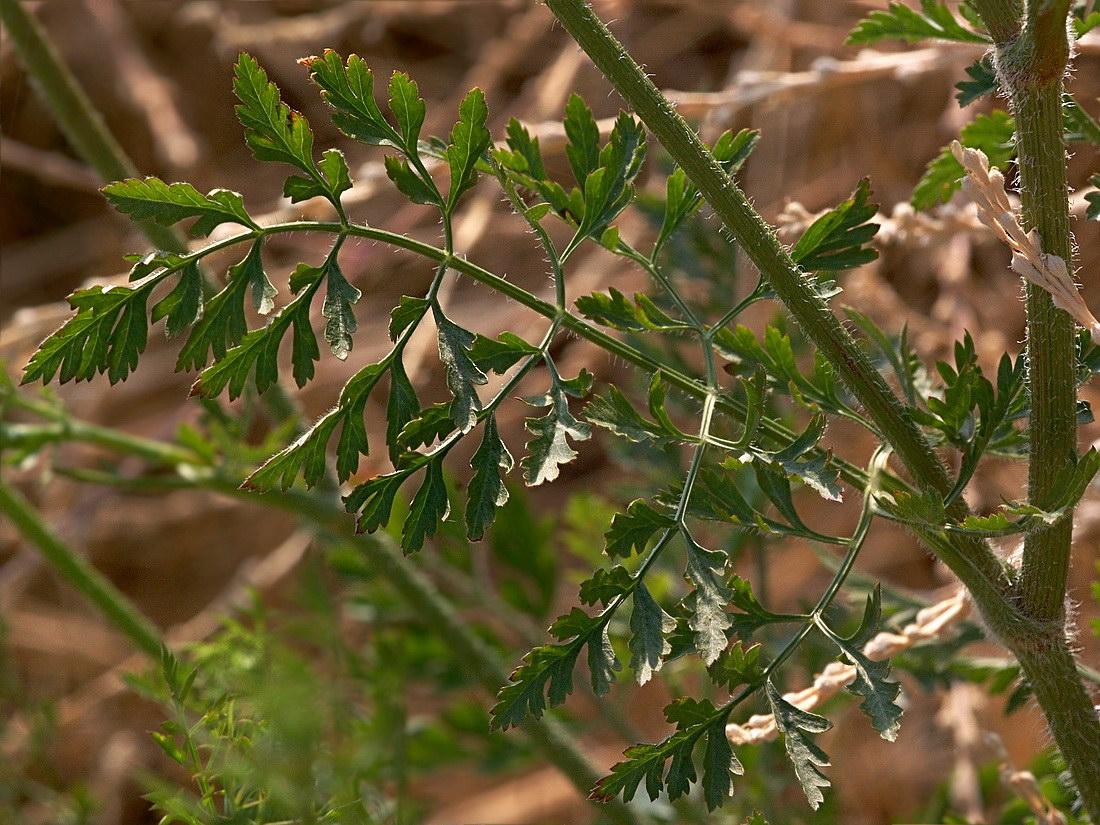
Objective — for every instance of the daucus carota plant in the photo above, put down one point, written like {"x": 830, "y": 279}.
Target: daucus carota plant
{"x": 741, "y": 456}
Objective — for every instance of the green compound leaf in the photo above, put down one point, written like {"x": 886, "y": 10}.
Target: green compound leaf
{"x": 602, "y": 663}
{"x": 545, "y": 676}
{"x": 168, "y": 204}
{"x": 719, "y": 767}
{"x": 631, "y": 531}
{"x": 410, "y": 183}
{"x": 522, "y": 162}
{"x": 335, "y": 179}
{"x": 583, "y": 149}
{"x": 469, "y": 141}
{"x": 402, "y": 408}
{"x": 462, "y": 373}
{"x": 794, "y": 724}
{"x": 373, "y": 500}
{"x": 258, "y": 350}
{"x": 606, "y": 585}
{"x": 407, "y": 312}
{"x": 408, "y": 109}
{"x": 549, "y": 449}
{"x": 502, "y": 354}
{"x": 835, "y": 240}
{"x": 994, "y": 134}
{"x": 617, "y": 311}
{"x": 487, "y": 490}
{"x": 682, "y": 199}
{"x": 349, "y": 90}
{"x": 753, "y": 615}
{"x": 707, "y": 603}
{"x": 1092, "y": 212}
{"x": 983, "y": 81}
{"x": 615, "y": 413}
{"x": 649, "y": 625}
{"x": 337, "y": 309}
{"x": 436, "y": 422}
{"x": 108, "y": 334}
{"x": 872, "y": 677}
{"x": 183, "y": 306}
{"x": 934, "y": 20}
{"x": 694, "y": 721}
{"x": 737, "y": 666}
{"x": 308, "y": 452}
{"x": 609, "y": 189}
{"x": 273, "y": 130}
{"x": 429, "y": 506}
{"x": 223, "y": 323}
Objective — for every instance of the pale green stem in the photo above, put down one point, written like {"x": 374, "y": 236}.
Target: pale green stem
{"x": 123, "y": 615}
{"x": 81, "y": 123}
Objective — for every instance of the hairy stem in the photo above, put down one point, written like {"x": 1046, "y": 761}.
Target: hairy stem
{"x": 1032, "y": 68}
{"x": 1032, "y": 62}
{"x": 115, "y": 606}
{"x": 974, "y": 564}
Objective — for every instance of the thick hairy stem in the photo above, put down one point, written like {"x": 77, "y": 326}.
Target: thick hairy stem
{"x": 1051, "y": 349}
{"x": 1048, "y": 664}
{"x": 1031, "y": 63}
{"x": 974, "y": 563}
{"x": 1037, "y": 105}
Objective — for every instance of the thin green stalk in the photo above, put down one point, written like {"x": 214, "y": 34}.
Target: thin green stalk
{"x": 75, "y": 569}
{"x": 82, "y": 124}
{"x": 481, "y": 663}
{"x": 983, "y": 572}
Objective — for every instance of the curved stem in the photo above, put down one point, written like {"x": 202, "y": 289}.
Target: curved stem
{"x": 79, "y": 572}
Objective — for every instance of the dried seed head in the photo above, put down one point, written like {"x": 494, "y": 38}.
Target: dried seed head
{"x": 986, "y": 187}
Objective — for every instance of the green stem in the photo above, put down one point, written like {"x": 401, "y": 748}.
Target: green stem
{"x": 76, "y": 570}
{"x": 481, "y": 662}
{"x": 983, "y": 572}
{"x": 82, "y": 124}
{"x": 1032, "y": 63}
{"x": 1002, "y": 18}
{"x": 1051, "y": 343}
{"x": 1049, "y": 666}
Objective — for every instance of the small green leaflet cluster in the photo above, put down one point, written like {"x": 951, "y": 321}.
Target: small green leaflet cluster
{"x": 604, "y": 176}
{"x": 1092, "y": 212}
{"x": 835, "y": 241}
{"x": 934, "y": 20}
{"x": 927, "y": 512}
{"x": 992, "y": 133}
{"x": 110, "y": 329}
